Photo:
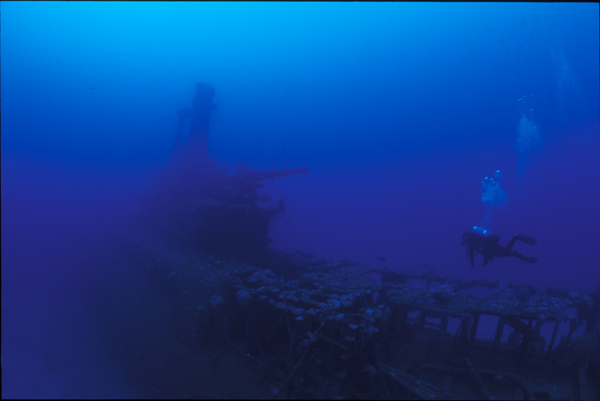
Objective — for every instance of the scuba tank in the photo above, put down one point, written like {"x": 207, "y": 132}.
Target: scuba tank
{"x": 481, "y": 230}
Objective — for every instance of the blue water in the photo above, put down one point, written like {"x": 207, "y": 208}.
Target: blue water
{"x": 398, "y": 110}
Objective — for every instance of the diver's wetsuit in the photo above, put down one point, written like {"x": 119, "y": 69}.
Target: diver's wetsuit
{"x": 486, "y": 243}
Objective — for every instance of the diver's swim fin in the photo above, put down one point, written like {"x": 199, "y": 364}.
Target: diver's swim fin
{"x": 527, "y": 240}
{"x": 529, "y": 260}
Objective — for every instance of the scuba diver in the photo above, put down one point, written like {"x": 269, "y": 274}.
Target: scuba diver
{"x": 485, "y": 242}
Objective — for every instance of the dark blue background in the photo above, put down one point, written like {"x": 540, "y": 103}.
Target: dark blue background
{"x": 398, "y": 110}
